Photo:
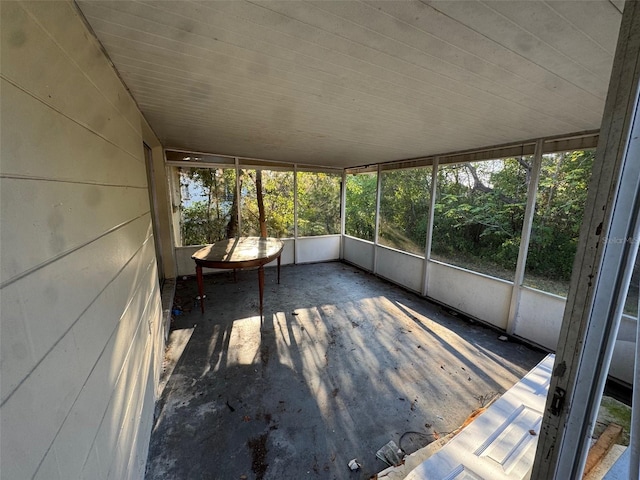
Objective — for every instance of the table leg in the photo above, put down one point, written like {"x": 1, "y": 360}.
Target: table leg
{"x": 200, "y": 286}
{"x": 278, "y": 269}
{"x": 261, "y": 285}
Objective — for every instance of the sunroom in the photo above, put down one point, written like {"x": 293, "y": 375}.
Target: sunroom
{"x": 477, "y": 158}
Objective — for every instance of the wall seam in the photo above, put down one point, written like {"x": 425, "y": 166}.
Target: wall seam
{"x": 137, "y": 289}
{"x": 61, "y": 255}
{"x": 17, "y": 176}
{"x": 24, "y": 379}
{"x": 145, "y": 312}
{"x": 77, "y": 122}
{"x": 71, "y": 59}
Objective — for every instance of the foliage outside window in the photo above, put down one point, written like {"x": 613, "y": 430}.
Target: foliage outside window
{"x": 479, "y": 213}
{"x": 277, "y": 198}
{"x": 318, "y": 203}
{"x": 207, "y": 210}
{"x": 404, "y": 209}
{"x": 560, "y": 202}
{"x": 360, "y": 208}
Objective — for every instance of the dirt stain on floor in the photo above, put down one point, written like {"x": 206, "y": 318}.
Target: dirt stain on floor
{"x": 264, "y": 355}
{"x": 258, "y": 447}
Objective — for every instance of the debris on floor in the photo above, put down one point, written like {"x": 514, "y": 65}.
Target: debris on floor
{"x": 228, "y": 369}
{"x": 413, "y": 460}
{"x": 411, "y": 441}
{"x": 354, "y": 465}
{"x": 391, "y": 454}
{"x": 503, "y": 338}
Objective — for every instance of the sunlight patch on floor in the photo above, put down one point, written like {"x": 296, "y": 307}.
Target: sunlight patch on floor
{"x": 244, "y": 342}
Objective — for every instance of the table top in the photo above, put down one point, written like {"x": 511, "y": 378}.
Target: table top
{"x": 240, "y": 252}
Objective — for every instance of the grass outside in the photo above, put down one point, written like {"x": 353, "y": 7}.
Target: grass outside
{"x": 392, "y": 237}
{"x": 554, "y": 286}
{"x": 613, "y": 411}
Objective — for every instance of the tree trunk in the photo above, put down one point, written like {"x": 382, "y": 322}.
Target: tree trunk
{"x": 261, "y": 215}
{"x": 477, "y": 183}
{"x": 209, "y": 232}
{"x": 232, "y": 226}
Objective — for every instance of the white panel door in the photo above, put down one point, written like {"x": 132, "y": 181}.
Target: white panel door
{"x": 500, "y": 444}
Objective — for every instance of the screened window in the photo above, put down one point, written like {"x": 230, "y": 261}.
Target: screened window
{"x": 206, "y": 209}
{"x": 318, "y": 203}
{"x": 274, "y": 189}
{"x": 360, "y": 206}
{"x": 560, "y": 202}
{"x": 404, "y": 209}
{"x": 478, "y": 215}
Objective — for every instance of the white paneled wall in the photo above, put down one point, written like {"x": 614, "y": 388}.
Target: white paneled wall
{"x": 400, "y": 267}
{"x": 539, "y": 317}
{"x": 359, "y": 252}
{"x": 478, "y": 295}
{"x": 81, "y": 334}
{"x": 317, "y": 249}
{"x": 324, "y": 248}
{"x": 186, "y": 265}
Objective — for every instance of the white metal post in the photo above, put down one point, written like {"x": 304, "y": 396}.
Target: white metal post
{"x": 525, "y": 236}
{"x": 602, "y": 271}
{"x": 428, "y": 240}
{"x": 238, "y": 196}
{"x": 168, "y": 171}
{"x": 175, "y": 196}
{"x": 295, "y": 214}
{"x": 343, "y": 212}
{"x": 376, "y": 232}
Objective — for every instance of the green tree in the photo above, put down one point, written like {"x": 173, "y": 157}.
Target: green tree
{"x": 206, "y": 204}
{"x": 479, "y": 213}
{"x": 275, "y": 190}
{"x": 560, "y": 203}
{"x": 404, "y": 208}
{"x": 361, "y": 205}
{"x": 318, "y": 203}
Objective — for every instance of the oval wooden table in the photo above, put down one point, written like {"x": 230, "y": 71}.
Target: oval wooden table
{"x": 234, "y": 253}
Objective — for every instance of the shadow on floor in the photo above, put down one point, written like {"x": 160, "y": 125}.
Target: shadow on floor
{"x": 340, "y": 363}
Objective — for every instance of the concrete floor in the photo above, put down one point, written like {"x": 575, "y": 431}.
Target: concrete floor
{"x": 341, "y": 363}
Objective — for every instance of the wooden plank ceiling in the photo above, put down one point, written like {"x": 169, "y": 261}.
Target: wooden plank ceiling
{"x": 347, "y": 83}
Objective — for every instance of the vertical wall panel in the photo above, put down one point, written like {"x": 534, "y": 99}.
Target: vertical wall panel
{"x": 481, "y": 296}
{"x": 359, "y": 252}
{"x": 539, "y": 317}
{"x": 400, "y": 267}
{"x": 318, "y": 249}
{"x": 621, "y": 368}
{"x": 81, "y": 324}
